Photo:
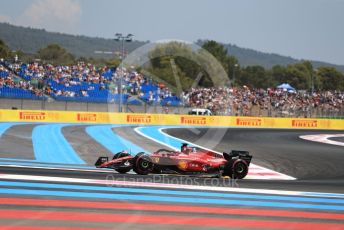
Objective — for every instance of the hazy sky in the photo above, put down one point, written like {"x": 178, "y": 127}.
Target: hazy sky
{"x": 308, "y": 29}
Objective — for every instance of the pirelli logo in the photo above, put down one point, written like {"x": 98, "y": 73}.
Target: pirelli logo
{"x": 87, "y": 117}
{"x": 193, "y": 120}
{"x": 32, "y": 116}
{"x": 139, "y": 118}
{"x": 304, "y": 123}
{"x": 249, "y": 122}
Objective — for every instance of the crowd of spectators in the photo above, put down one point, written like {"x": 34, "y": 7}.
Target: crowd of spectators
{"x": 11, "y": 81}
{"x": 217, "y": 100}
{"x": 63, "y": 80}
{"x": 245, "y": 101}
{"x": 87, "y": 81}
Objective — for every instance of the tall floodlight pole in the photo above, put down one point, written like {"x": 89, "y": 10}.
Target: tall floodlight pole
{"x": 234, "y": 67}
{"x": 313, "y": 79}
{"x": 122, "y": 39}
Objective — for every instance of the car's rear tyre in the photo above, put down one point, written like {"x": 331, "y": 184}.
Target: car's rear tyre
{"x": 124, "y": 168}
{"x": 239, "y": 169}
{"x": 236, "y": 169}
{"x": 143, "y": 164}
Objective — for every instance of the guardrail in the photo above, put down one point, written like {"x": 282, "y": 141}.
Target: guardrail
{"x": 167, "y": 119}
{"x": 255, "y": 111}
{"x": 6, "y": 103}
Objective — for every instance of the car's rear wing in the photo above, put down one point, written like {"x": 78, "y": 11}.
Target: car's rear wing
{"x": 101, "y": 160}
{"x": 239, "y": 154}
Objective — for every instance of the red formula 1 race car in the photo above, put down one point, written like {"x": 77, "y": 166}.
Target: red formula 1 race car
{"x": 188, "y": 161}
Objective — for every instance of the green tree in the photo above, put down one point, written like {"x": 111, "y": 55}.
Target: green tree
{"x": 174, "y": 58}
{"x": 233, "y": 69}
{"x": 330, "y": 78}
{"x": 218, "y": 51}
{"x": 5, "y": 51}
{"x": 229, "y": 63}
{"x": 278, "y": 74}
{"x": 112, "y": 62}
{"x": 299, "y": 76}
{"x": 254, "y": 77}
{"x": 55, "y": 54}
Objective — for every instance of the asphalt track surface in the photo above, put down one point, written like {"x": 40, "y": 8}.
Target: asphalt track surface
{"x": 36, "y": 204}
{"x": 279, "y": 150}
{"x": 17, "y": 139}
{"x": 341, "y": 139}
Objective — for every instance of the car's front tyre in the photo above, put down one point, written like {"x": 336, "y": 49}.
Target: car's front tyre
{"x": 126, "y": 166}
{"x": 142, "y": 164}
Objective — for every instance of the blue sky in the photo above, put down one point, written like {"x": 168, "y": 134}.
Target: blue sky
{"x": 307, "y": 29}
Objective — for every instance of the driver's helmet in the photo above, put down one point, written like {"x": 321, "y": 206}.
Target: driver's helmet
{"x": 184, "y": 147}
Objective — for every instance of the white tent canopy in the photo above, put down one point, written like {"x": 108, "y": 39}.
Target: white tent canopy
{"x": 286, "y": 86}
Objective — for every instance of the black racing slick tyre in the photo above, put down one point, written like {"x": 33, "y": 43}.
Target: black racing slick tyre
{"x": 239, "y": 169}
{"x": 236, "y": 169}
{"x": 123, "y": 169}
{"x": 143, "y": 164}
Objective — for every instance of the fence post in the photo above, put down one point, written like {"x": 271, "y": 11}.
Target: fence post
{"x": 269, "y": 111}
{"x": 42, "y": 104}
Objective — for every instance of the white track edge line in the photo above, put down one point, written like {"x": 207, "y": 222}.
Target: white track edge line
{"x": 169, "y": 186}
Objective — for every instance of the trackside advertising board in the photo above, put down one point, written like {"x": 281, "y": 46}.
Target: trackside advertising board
{"x": 167, "y": 119}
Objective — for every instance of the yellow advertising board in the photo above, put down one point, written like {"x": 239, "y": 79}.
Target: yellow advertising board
{"x": 167, "y": 119}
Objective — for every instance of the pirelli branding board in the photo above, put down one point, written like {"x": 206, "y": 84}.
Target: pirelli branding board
{"x": 193, "y": 120}
{"x": 92, "y": 117}
{"x": 141, "y": 119}
{"x": 249, "y": 122}
{"x": 32, "y": 116}
{"x": 304, "y": 123}
{"x": 166, "y": 119}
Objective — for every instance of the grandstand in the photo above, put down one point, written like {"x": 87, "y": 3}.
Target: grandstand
{"x": 11, "y": 86}
{"x": 81, "y": 83}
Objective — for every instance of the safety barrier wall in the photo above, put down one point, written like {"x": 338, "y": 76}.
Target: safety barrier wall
{"x": 166, "y": 119}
